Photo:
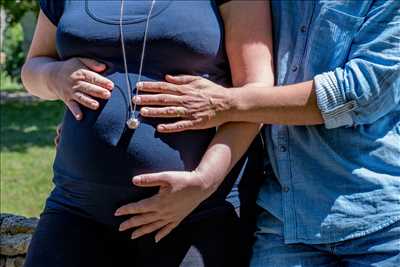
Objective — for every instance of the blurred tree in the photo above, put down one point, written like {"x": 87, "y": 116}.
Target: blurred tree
{"x": 16, "y": 9}
{"x": 13, "y": 50}
{"x": 17, "y": 33}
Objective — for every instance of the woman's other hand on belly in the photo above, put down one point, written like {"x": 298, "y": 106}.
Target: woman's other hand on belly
{"x": 198, "y": 102}
{"x": 77, "y": 81}
{"x": 180, "y": 193}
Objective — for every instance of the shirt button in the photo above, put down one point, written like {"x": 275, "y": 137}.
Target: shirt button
{"x": 282, "y": 148}
{"x": 303, "y": 28}
{"x": 295, "y": 68}
{"x": 285, "y": 189}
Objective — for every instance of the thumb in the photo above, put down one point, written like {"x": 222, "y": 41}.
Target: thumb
{"x": 180, "y": 79}
{"x": 93, "y": 64}
{"x": 153, "y": 179}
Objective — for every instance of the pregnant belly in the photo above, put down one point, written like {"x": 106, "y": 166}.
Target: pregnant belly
{"x": 101, "y": 149}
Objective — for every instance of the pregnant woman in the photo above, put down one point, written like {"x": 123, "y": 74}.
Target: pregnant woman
{"x": 90, "y": 54}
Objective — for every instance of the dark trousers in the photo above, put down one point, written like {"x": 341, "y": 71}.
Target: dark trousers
{"x": 64, "y": 239}
{"x": 255, "y": 173}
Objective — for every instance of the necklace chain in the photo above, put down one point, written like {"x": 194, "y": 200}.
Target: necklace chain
{"x": 132, "y": 108}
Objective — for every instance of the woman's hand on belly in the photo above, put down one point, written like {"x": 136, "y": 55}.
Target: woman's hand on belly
{"x": 77, "y": 81}
{"x": 198, "y": 102}
{"x": 180, "y": 193}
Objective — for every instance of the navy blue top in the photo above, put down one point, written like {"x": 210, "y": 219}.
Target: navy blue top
{"x": 99, "y": 155}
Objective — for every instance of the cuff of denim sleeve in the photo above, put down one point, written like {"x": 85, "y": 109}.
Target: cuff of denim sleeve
{"x": 335, "y": 110}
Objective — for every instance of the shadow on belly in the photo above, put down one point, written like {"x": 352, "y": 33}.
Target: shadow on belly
{"x": 87, "y": 150}
{"x": 94, "y": 201}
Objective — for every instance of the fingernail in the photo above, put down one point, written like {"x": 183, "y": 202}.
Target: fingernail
{"x": 144, "y": 110}
{"x": 117, "y": 213}
{"x": 78, "y": 116}
{"x": 137, "y": 99}
{"x": 107, "y": 94}
{"x": 139, "y": 85}
{"x": 136, "y": 180}
{"x": 133, "y": 236}
{"x": 157, "y": 239}
{"x": 161, "y": 128}
{"x": 110, "y": 86}
{"x": 121, "y": 228}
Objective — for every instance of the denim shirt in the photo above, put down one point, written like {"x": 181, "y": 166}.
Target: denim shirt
{"x": 340, "y": 180}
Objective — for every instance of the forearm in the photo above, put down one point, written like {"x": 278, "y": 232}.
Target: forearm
{"x": 248, "y": 39}
{"x": 294, "y": 104}
{"x": 35, "y": 74}
{"x": 228, "y": 146}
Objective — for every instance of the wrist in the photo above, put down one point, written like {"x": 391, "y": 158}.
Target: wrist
{"x": 206, "y": 183}
{"x": 49, "y": 74}
{"x": 236, "y": 104}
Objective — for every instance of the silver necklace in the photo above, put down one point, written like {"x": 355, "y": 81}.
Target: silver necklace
{"x": 133, "y": 121}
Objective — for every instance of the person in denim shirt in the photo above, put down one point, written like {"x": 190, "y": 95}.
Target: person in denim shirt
{"x": 332, "y": 133}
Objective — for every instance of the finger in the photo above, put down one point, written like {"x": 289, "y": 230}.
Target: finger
{"x": 94, "y": 78}
{"x": 143, "y": 206}
{"x": 165, "y": 231}
{"x": 57, "y": 140}
{"x": 153, "y": 179}
{"x": 85, "y": 100}
{"x": 92, "y": 90}
{"x": 165, "y": 112}
{"x": 58, "y": 129}
{"x": 147, "y": 229}
{"x": 181, "y": 79}
{"x": 58, "y": 133}
{"x": 180, "y": 126}
{"x": 158, "y": 100}
{"x": 93, "y": 64}
{"x": 75, "y": 109}
{"x": 157, "y": 87}
{"x": 139, "y": 220}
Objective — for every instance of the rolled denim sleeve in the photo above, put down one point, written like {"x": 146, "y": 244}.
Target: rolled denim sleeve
{"x": 367, "y": 87}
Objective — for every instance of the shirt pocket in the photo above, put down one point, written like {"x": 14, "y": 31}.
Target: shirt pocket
{"x": 135, "y": 11}
{"x": 331, "y": 38}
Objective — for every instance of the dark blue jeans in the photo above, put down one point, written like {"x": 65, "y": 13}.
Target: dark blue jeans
{"x": 64, "y": 239}
{"x": 379, "y": 249}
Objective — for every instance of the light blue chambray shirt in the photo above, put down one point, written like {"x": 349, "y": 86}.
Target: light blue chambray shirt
{"x": 339, "y": 180}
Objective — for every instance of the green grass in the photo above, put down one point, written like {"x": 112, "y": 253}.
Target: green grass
{"x": 27, "y": 152}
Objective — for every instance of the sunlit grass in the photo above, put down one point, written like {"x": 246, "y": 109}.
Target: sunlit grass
{"x": 27, "y": 152}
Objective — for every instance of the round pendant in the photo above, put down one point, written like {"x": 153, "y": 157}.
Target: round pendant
{"x": 133, "y": 123}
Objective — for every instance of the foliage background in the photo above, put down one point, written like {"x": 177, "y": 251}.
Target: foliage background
{"x": 16, "y": 9}
{"x": 13, "y": 45}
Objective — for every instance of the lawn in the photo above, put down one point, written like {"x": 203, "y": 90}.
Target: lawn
{"x": 27, "y": 152}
